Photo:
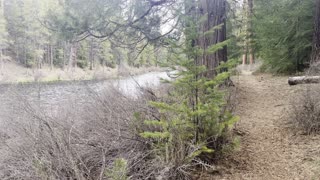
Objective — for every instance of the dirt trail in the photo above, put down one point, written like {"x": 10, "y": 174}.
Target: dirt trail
{"x": 270, "y": 149}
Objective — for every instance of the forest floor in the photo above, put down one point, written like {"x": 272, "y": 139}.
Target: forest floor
{"x": 270, "y": 148}
{"x": 14, "y": 73}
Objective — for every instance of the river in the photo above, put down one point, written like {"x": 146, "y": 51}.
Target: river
{"x": 53, "y": 95}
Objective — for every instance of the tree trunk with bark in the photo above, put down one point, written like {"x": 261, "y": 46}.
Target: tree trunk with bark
{"x": 245, "y": 38}
{"x": 248, "y": 49}
{"x": 315, "y": 57}
{"x": 244, "y": 56}
{"x": 1, "y": 61}
{"x": 91, "y": 54}
{"x": 73, "y": 55}
{"x": 206, "y": 16}
{"x": 214, "y": 12}
{"x": 65, "y": 50}
{"x": 51, "y": 57}
{"x": 250, "y": 31}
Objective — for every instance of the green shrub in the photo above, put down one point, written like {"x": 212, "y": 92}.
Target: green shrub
{"x": 118, "y": 171}
{"x": 192, "y": 119}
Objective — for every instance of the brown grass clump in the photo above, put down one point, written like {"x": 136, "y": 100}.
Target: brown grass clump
{"x": 306, "y": 107}
{"x": 306, "y": 110}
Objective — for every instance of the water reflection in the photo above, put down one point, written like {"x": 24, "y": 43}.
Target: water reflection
{"x": 53, "y": 95}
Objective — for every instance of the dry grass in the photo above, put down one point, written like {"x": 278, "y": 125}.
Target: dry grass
{"x": 14, "y": 73}
{"x": 306, "y": 110}
{"x": 306, "y": 107}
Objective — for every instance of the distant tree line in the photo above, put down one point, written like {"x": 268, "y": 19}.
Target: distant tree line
{"x": 68, "y": 34}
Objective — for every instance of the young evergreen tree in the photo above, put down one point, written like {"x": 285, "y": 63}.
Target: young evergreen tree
{"x": 195, "y": 116}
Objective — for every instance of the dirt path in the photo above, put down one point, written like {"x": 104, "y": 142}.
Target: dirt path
{"x": 270, "y": 149}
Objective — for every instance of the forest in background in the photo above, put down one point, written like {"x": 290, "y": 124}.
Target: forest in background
{"x": 284, "y": 34}
{"x": 64, "y": 34}
{"x": 172, "y": 132}
{"x": 36, "y": 33}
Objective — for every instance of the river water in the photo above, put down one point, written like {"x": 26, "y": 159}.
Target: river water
{"x": 53, "y": 95}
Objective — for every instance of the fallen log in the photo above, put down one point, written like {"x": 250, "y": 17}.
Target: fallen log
{"x": 303, "y": 80}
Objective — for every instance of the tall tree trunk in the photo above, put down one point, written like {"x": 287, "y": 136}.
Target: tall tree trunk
{"x": 65, "y": 50}
{"x": 1, "y": 61}
{"x": 72, "y": 56}
{"x": 245, "y": 29}
{"x": 215, "y": 13}
{"x": 250, "y": 31}
{"x": 315, "y": 57}
{"x": 51, "y": 57}
{"x": 25, "y": 56}
{"x": 47, "y": 54}
{"x": 91, "y": 56}
{"x": 75, "y": 54}
{"x": 251, "y": 56}
{"x": 39, "y": 58}
{"x": 244, "y": 56}
{"x": 248, "y": 49}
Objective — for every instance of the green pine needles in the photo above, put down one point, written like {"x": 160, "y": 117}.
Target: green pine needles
{"x": 284, "y": 34}
{"x": 118, "y": 170}
{"x": 195, "y": 113}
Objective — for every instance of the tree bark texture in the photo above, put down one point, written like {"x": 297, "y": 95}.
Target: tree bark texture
{"x": 244, "y": 57}
{"x": 73, "y": 55}
{"x": 91, "y": 54}
{"x": 245, "y": 29}
{"x": 248, "y": 49}
{"x": 51, "y": 57}
{"x": 215, "y": 13}
{"x": 304, "y": 80}
{"x": 1, "y": 61}
{"x": 250, "y": 32}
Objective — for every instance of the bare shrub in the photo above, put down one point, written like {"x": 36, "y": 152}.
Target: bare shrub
{"x": 77, "y": 142}
{"x": 314, "y": 69}
{"x": 306, "y": 110}
{"x": 38, "y": 76}
{"x": 306, "y": 107}
{"x": 100, "y": 139}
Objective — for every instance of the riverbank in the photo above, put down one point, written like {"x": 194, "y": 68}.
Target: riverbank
{"x": 12, "y": 73}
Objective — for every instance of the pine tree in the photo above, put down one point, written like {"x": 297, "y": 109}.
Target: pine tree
{"x": 195, "y": 115}
{"x": 283, "y": 34}
{"x": 248, "y": 42}
{"x": 30, "y": 38}
{"x": 213, "y": 28}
